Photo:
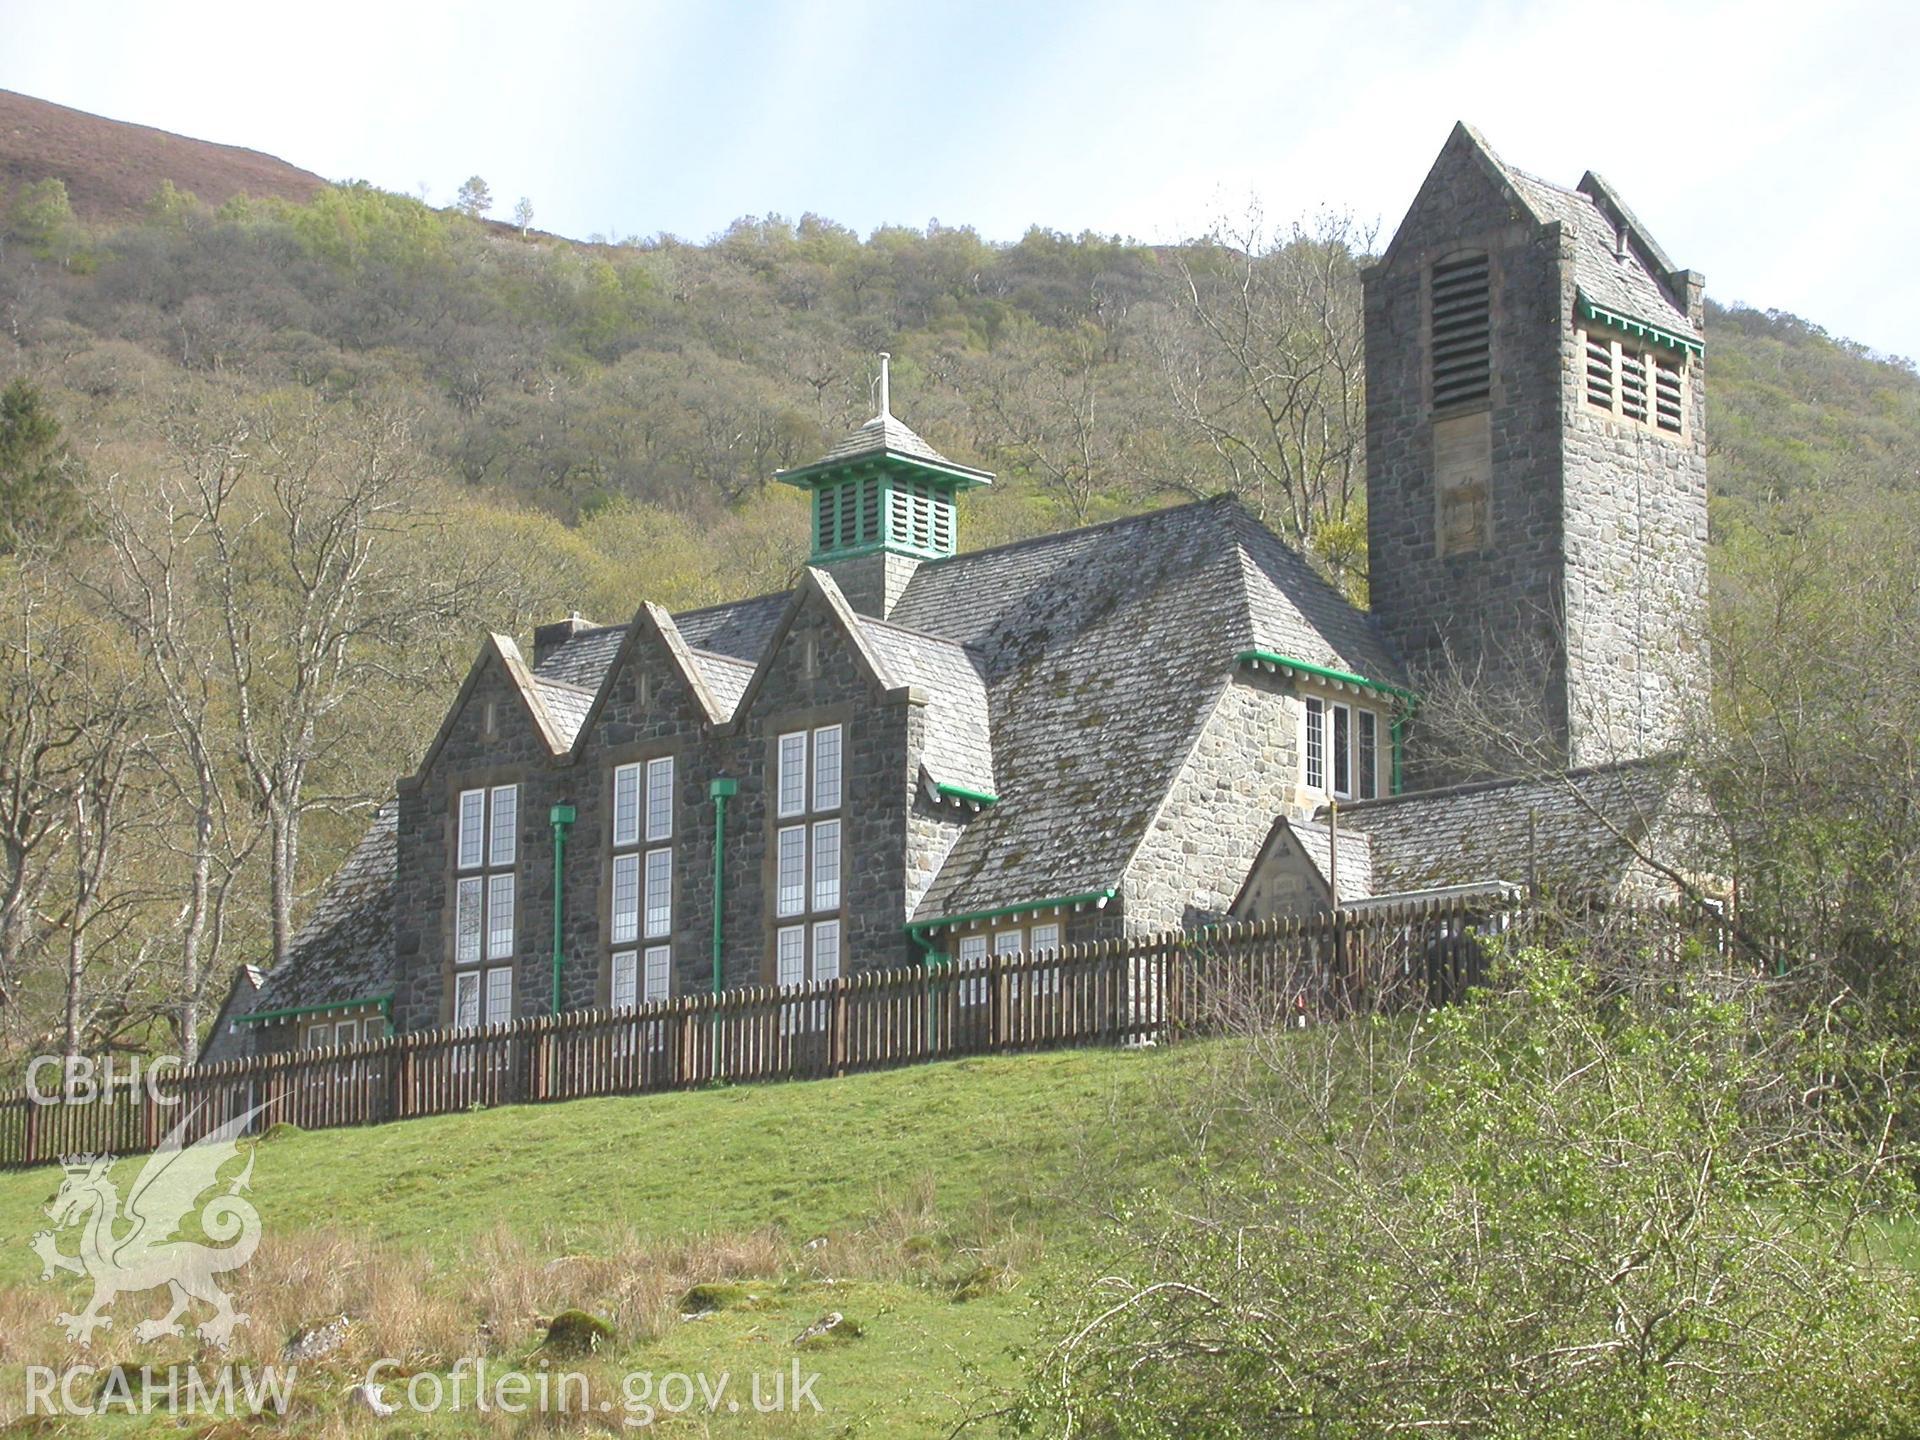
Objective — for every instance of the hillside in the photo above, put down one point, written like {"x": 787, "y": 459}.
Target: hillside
{"x": 111, "y": 168}
{"x": 584, "y": 426}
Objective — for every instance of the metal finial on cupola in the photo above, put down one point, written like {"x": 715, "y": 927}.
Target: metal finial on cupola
{"x": 886, "y": 400}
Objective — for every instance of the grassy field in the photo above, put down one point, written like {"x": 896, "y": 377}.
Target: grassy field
{"x": 934, "y": 1208}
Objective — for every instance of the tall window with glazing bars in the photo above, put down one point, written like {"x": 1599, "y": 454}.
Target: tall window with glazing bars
{"x": 485, "y": 859}
{"x": 808, "y": 792}
{"x": 640, "y": 912}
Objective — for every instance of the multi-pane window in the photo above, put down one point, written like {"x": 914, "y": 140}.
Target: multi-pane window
{"x": 1367, "y": 747}
{"x": 1341, "y": 750}
{"x": 809, "y": 791}
{"x": 483, "y": 997}
{"x": 970, "y": 955}
{"x": 640, "y": 903}
{"x": 1644, "y": 385}
{"x": 485, "y": 859}
{"x": 971, "y": 952}
{"x": 1316, "y": 746}
{"x": 1342, "y": 747}
{"x": 640, "y": 977}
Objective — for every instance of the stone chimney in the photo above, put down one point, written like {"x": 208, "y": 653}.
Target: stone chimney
{"x": 550, "y": 637}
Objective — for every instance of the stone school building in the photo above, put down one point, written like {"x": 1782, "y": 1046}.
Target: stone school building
{"x": 922, "y": 753}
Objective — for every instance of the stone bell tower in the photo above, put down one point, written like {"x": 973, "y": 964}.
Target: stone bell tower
{"x": 1536, "y": 465}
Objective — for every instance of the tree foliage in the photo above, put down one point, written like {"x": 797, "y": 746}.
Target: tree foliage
{"x": 1588, "y": 1202}
{"x": 39, "y": 475}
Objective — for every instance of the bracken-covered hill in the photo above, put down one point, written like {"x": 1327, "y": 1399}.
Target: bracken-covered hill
{"x": 112, "y": 169}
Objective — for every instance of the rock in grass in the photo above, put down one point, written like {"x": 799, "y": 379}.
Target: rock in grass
{"x": 830, "y": 1326}
{"x": 318, "y": 1340}
{"x": 575, "y": 1332}
{"x": 713, "y": 1295}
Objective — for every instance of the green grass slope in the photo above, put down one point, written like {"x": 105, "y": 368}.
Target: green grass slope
{"x": 934, "y": 1207}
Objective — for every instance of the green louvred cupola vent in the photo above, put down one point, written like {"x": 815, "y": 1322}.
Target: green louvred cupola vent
{"x": 883, "y": 488}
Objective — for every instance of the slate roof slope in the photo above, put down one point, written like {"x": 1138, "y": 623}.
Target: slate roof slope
{"x": 1103, "y": 651}
{"x": 959, "y": 741}
{"x": 567, "y": 705}
{"x": 884, "y": 434}
{"x": 344, "y": 951}
{"x": 584, "y": 658}
{"x": 1297, "y": 613}
{"x": 1356, "y": 855}
{"x": 1466, "y": 834}
{"x": 740, "y": 628}
{"x": 1613, "y": 282}
{"x": 738, "y": 631}
{"x": 726, "y": 677}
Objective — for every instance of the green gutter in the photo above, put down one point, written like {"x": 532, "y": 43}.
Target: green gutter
{"x": 1345, "y": 677}
{"x": 721, "y": 790}
{"x": 961, "y": 792}
{"x": 562, "y": 816}
{"x": 1396, "y": 727}
{"x": 916, "y": 928}
{"x": 385, "y": 1002}
{"x": 1639, "y": 328}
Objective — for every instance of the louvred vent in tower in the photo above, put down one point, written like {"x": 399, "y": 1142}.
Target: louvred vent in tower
{"x": 1462, "y": 364}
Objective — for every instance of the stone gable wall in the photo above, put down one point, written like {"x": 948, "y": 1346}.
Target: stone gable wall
{"x": 1241, "y": 773}
{"x": 423, "y": 885}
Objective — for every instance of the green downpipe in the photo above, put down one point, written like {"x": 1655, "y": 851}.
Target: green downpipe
{"x": 721, "y": 790}
{"x": 562, "y": 816}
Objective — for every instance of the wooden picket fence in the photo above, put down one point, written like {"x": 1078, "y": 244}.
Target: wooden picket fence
{"x": 1156, "y": 989}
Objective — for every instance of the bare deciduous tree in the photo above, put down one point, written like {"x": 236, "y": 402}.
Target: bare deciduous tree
{"x": 1264, "y": 361}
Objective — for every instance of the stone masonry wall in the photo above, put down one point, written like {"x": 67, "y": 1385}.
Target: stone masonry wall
{"x": 423, "y": 890}
{"x": 1496, "y": 610}
{"x": 1636, "y": 567}
{"x": 1242, "y": 772}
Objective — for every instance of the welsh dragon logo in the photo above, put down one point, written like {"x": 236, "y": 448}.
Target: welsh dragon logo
{"x": 140, "y": 1249}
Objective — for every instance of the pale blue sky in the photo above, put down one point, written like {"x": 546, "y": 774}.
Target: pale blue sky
{"x": 1770, "y": 144}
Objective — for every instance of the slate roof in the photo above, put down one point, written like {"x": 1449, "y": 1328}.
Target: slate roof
{"x": 1612, "y": 281}
{"x": 726, "y": 677}
{"x": 1103, "y": 651}
{"x": 584, "y": 658}
{"x": 740, "y": 628}
{"x": 1469, "y": 834}
{"x": 1356, "y": 855}
{"x": 959, "y": 742}
{"x": 344, "y": 951}
{"x": 566, "y": 705}
{"x": 882, "y": 435}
